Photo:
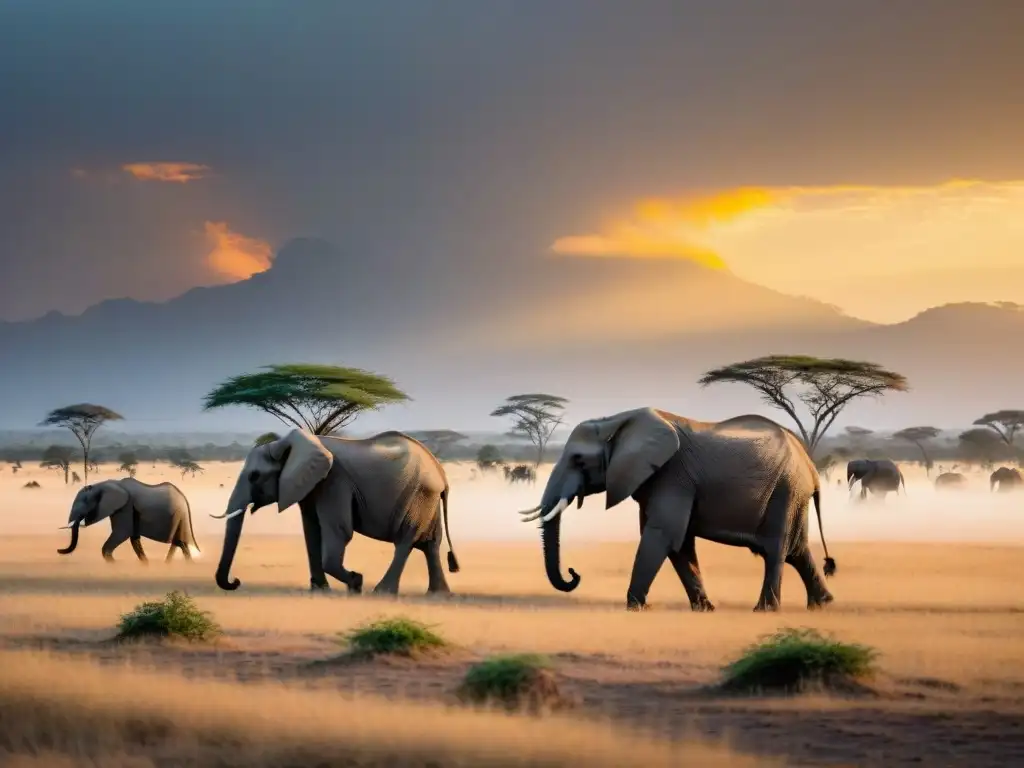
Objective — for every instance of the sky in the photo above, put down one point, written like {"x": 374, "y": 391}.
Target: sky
{"x": 866, "y": 154}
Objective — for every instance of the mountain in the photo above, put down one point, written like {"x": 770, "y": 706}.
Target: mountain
{"x": 607, "y": 333}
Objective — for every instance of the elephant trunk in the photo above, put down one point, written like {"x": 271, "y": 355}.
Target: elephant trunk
{"x": 550, "y": 534}
{"x": 74, "y": 540}
{"x": 562, "y": 487}
{"x": 233, "y": 531}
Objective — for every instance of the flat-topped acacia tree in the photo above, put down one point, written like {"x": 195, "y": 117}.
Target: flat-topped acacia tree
{"x": 317, "y": 398}
{"x": 83, "y": 419}
{"x": 919, "y": 436}
{"x": 1006, "y": 424}
{"x": 824, "y": 385}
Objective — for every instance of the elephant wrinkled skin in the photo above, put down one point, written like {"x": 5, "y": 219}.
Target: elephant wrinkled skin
{"x": 1007, "y": 478}
{"x": 878, "y": 476}
{"x": 388, "y": 487}
{"x": 136, "y": 510}
{"x": 745, "y": 482}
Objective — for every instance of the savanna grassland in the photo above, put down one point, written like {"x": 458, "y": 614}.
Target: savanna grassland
{"x": 946, "y": 617}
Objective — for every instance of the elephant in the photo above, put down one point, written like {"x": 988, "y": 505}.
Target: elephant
{"x": 880, "y": 476}
{"x": 388, "y": 487}
{"x": 1007, "y": 478}
{"x": 136, "y": 509}
{"x": 950, "y": 480}
{"x": 521, "y": 472}
{"x": 744, "y": 482}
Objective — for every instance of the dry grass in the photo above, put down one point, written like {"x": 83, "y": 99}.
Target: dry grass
{"x": 945, "y": 617}
{"x": 89, "y": 715}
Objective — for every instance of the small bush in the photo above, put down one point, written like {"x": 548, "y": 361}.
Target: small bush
{"x": 518, "y": 681}
{"x": 31, "y": 484}
{"x": 396, "y": 637}
{"x": 792, "y": 660}
{"x": 174, "y": 616}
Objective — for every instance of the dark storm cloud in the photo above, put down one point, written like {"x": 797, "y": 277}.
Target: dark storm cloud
{"x": 458, "y": 137}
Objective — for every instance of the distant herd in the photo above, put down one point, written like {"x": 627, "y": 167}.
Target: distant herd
{"x": 753, "y": 478}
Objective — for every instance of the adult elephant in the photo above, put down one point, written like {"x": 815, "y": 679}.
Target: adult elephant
{"x": 878, "y": 476}
{"x": 388, "y": 487}
{"x": 950, "y": 481}
{"x": 744, "y": 482}
{"x": 136, "y": 510}
{"x": 1007, "y": 478}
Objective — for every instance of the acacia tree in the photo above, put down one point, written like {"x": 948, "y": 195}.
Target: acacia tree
{"x": 488, "y": 457}
{"x": 534, "y": 416}
{"x": 129, "y": 464}
{"x": 824, "y": 385}
{"x": 58, "y": 457}
{"x": 981, "y": 445}
{"x": 83, "y": 419}
{"x": 318, "y": 398}
{"x": 439, "y": 440}
{"x": 919, "y": 436}
{"x": 1006, "y": 424}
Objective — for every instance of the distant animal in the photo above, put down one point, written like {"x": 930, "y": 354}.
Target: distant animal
{"x": 951, "y": 481}
{"x": 136, "y": 510}
{"x": 745, "y": 482}
{"x": 1007, "y": 478}
{"x": 880, "y": 476}
{"x": 521, "y": 473}
{"x": 388, "y": 487}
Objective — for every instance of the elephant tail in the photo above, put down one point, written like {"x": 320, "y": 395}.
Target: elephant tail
{"x": 830, "y": 564}
{"x": 193, "y": 546}
{"x": 453, "y": 563}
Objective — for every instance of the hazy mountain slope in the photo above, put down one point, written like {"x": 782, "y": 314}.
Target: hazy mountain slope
{"x": 608, "y": 333}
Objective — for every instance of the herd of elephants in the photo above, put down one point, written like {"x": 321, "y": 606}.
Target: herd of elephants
{"x": 744, "y": 482}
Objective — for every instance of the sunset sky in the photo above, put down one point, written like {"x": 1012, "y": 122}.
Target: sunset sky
{"x": 865, "y": 154}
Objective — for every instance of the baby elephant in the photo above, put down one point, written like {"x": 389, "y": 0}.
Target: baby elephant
{"x": 136, "y": 509}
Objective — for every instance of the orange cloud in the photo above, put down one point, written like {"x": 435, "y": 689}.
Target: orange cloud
{"x": 880, "y": 252}
{"x": 233, "y": 255}
{"x": 178, "y": 173}
{"x": 670, "y": 228}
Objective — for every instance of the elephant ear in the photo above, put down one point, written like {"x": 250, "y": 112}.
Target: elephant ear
{"x": 639, "y": 447}
{"x": 306, "y": 463}
{"x": 112, "y": 498}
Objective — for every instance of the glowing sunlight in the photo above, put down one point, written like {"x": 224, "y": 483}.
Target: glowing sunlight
{"x": 234, "y": 255}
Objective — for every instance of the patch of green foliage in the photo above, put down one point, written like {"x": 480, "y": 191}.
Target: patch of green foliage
{"x": 503, "y": 677}
{"x": 396, "y": 636}
{"x": 794, "y": 659}
{"x": 176, "y": 615}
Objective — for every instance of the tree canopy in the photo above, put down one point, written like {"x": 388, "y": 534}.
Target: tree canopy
{"x": 82, "y": 419}
{"x": 58, "y": 457}
{"x": 318, "y": 398}
{"x": 824, "y": 385}
{"x": 534, "y": 416}
{"x": 919, "y": 436}
{"x": 1006, "y": 424}
{"x": 267, "y": 437}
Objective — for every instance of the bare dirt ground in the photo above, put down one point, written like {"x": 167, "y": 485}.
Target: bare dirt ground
{"x": 947, "y": 618}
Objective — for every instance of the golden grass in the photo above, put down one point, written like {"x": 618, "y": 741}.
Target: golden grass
{"x": 115, "y": 715}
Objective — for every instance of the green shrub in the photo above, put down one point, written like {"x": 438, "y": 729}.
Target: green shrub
{"x": 795, "y": 659}
{"x": 514, "y": 681}
{"x": 396, "y": 636}
{"x": 176, "y": 615}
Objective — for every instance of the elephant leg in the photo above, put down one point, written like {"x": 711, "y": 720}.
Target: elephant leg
{"x": 314, "y": 546}
{"x": 114, "y": 540}
{"x": 390, "y": 580}
{"x": 688, "y": 570}
{"x": 435, "y": 571}
{"x": 139, "y": 551}
{"x": 335, "y": 535}
{"x": 665, "y": 519}
{"x": 184, "y": 549}
{"x": 818, "y": 593}
{"x": 778, "y": 514}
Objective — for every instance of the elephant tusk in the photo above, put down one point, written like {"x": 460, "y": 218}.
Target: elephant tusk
{"x": 65, "y": 527}
{"x": 227, "y": 516}
{"x": 531, "y": 516}
{"x": 529, "y": 511}
{"x": 559, "y": 508}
